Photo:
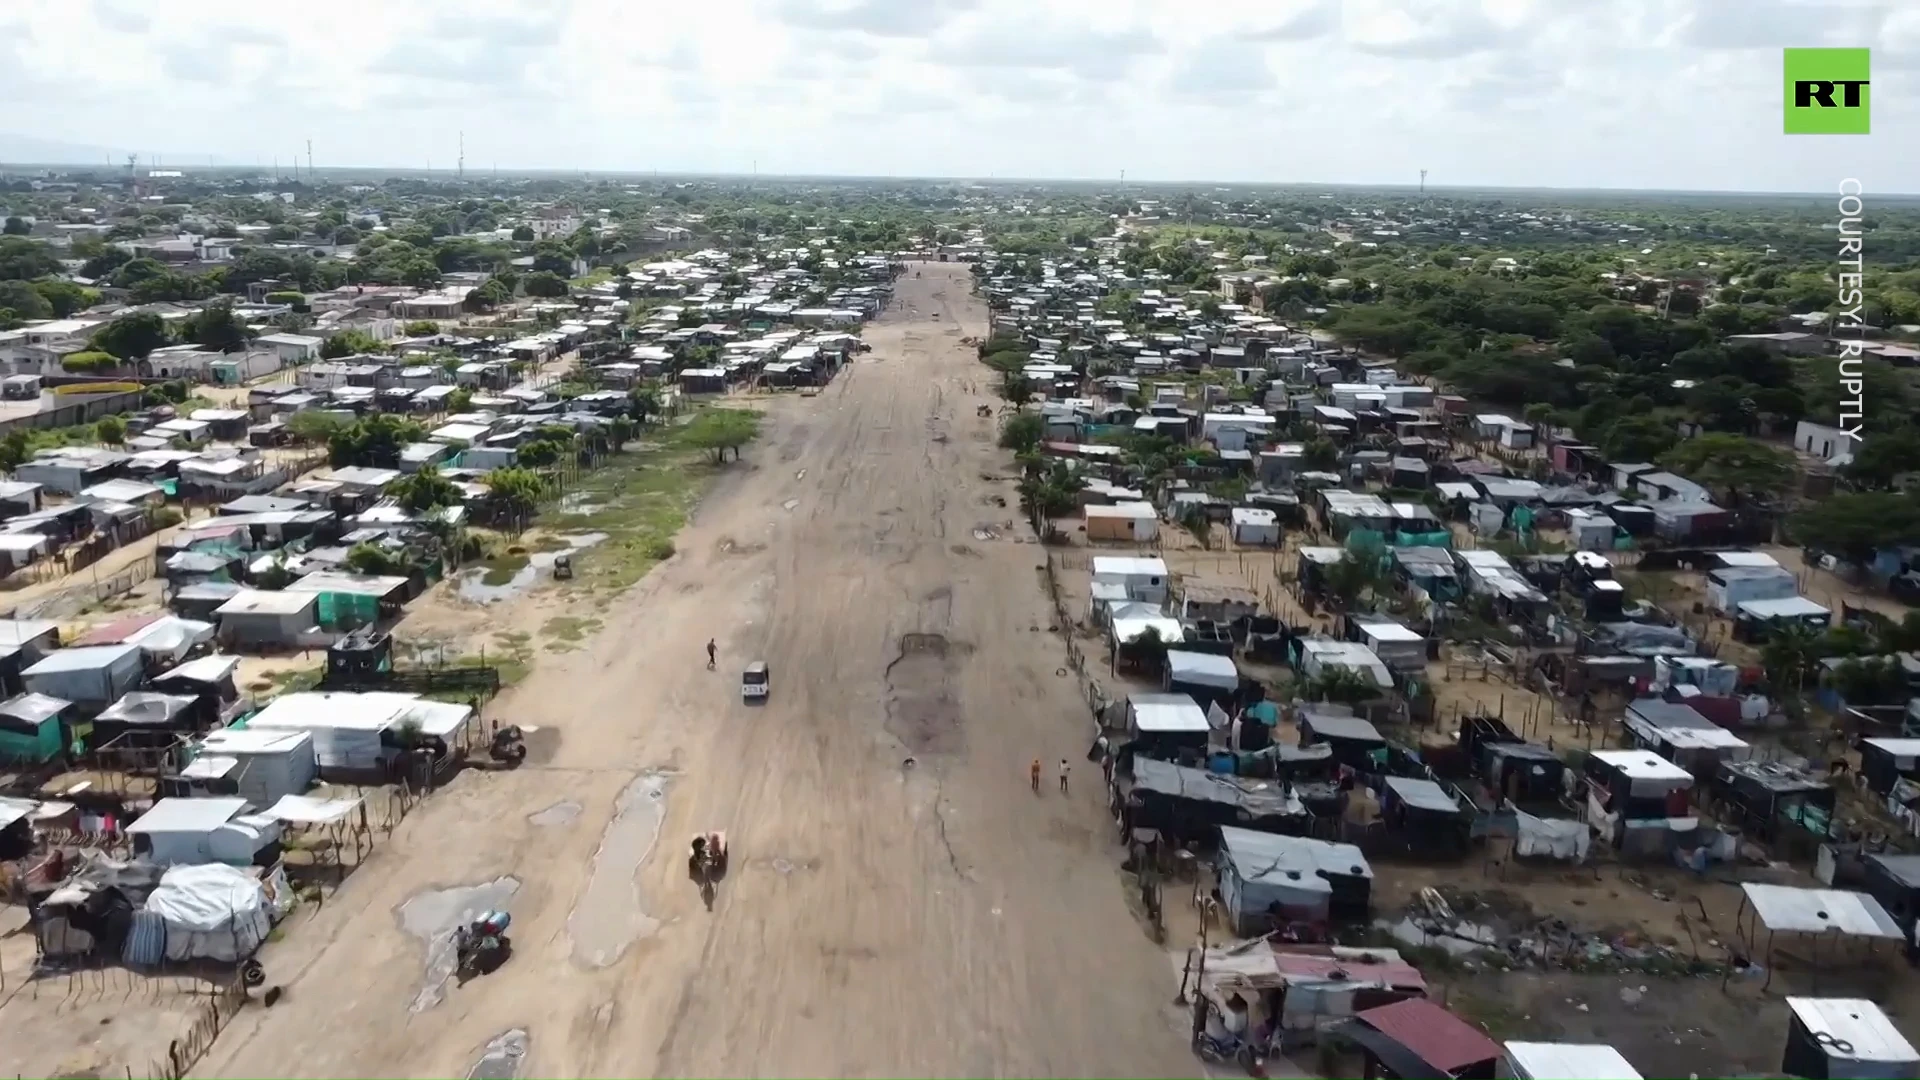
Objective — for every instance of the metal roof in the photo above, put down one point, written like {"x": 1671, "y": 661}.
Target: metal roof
{"x": 1817, "y": 911}
{"x": 1568, "y": 1061}
{"x": 1858, "y": 1025}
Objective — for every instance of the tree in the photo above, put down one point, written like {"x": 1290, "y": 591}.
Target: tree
{"x": 311, "y": 426}
{"x": 132, "y": 337}
{"x": 1342, "y": 685}
{"x": 425, "y": 490}
{"x": 105, "y": 262}
{"x": 539, "y": 453}
{"x": 1733, "y": 464}
{"x": 1870, "y": 681}
{"x": 1856, "y": 526}
{"x": 422, "y": 328}
{"x": 1016, "y": 388}
{"x": 23, "y": 260}
{"x": 348, "y": 343}
{"x": 217, "y": 327}
{"x": 375, "y": 441}
{"x": 544, "y": 283}
{"x": 460, "y": 400}
{"x": 1320, "y": 455}
{"x": 111, "y": 430}
{"x": 620, "y": 431}
{"x": 16, "y": 227}
{"x": 1790, "y": 656}
{"x": 64, "y": 297}
{"x": 374, "y": 560}
{"x": 1884, "y": 457}
{"x": 25, "y": 301}
{"x": 643, "y": 402}
{"x": 1199, "y": 526}
{"x": 89, "y": 363}
{"x": 1047, "y": 490}
{"x": 15, "y": 448}
{"x": 720, "y": 430}
{"x": 513, "y": 494}
{"x": 1021, "y": 432}
{"x": 523, "y": 234}
{"x": 491, "y": 294}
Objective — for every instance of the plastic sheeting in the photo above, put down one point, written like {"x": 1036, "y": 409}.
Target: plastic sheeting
{"x": 213, "y": 912}
{"x": 1550, "y": 838}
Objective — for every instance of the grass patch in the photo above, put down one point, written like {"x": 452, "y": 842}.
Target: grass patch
{"x": 640, "y": 500}
{"x": 500, "y": 569}
{"x": 290, "y": 681}
{"x": 596, "y": 276}
{"x": 1501, "y": 1020}
{"x": 565, "y": 631}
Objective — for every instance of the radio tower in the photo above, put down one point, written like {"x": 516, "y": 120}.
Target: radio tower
{"x": 1423, "y": 181}
{"x": 309, "y": 161}
{"x": 460, "y": 169}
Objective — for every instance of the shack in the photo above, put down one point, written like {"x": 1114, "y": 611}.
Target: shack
{"x": 259, "y": 766}
{"x": 1355, "y": 741}
{"x": 1187, "y": 804}
{"x": 194, "y": 831}
{"x": 1426, "y": 815}
{"x": 1636, "y": 797}
{"x": 257, "y": 618}
{"x": 1134, "y": 522}
{"x": 1418, "y": 1038}
{"x": 1845, "y": 1039}
{"x": 142, "y": 718}
{"x": 91, "y": 678}
{"x": 1883, "y": 762}
{"x": 1163, "y": 725}
{"x": 33, "y": 729}
{"x": 1204, "y": 677}
{"x": 1268, "y": 881}
{"x": 23, "y": 642}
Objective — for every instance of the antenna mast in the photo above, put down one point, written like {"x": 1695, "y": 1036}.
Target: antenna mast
{"x": 1423, "y": 181}
{"x": 309, "y": 161}
{"x": 460, "y": 169}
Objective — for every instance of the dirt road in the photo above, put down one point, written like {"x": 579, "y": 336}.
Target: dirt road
{"x": 878, "y": 919}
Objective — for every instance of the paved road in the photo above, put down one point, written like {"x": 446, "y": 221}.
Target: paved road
{"x": 878, "y": 920}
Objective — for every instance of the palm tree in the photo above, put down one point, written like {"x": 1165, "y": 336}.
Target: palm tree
{"x": 1790, "y": 654}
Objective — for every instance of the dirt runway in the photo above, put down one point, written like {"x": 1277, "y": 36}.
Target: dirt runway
{"x": 878, "y": 919}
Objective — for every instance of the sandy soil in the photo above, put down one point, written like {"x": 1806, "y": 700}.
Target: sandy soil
{"x": 878, "y": 919}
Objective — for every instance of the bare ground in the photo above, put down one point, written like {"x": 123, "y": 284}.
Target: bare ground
{"x": 878, "y": 918}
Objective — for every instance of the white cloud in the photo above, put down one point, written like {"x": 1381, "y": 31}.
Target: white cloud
{"x": 1569, "y": 93}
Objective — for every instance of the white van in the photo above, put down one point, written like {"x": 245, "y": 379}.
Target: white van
{"x": 753, "y": 681}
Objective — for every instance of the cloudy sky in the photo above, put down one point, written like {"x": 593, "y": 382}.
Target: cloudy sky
{"x": 1670, "y": 94}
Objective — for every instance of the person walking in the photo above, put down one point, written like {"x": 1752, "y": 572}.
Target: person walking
{"x": 1063, "y": 776}
{"x": 1033, "y": 775}
{"x": 712, "y": 652}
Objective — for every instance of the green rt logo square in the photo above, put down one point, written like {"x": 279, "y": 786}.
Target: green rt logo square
{"x": 1826, "y": 91}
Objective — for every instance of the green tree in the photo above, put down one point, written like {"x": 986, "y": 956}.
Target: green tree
{"x": 545, "y": 284}
{"x": 513, "y": 494}
{"x": 1733, "y": 465}
{"x": 111, "y": 430}
{"x": 460, "y": 400}
{"x": 1342, "y": 685}
{"x": 1883, "y": 457}
{"x": 374, "y": 560}
{"x": 422, "y": 328}
{"x": 424, "y": 490}
{"x": 24, "y": 260}
{"x": 720, "y": 430}
{"x": 132, "y": 337}
{"x": 349, "y": 343}
{"x": 64, "y": 297}
{"x": 217, "y": 327}
{"x": 375, "y": 441}
{"x": 1320, "y": 455}
{"x": 1790, "y": 656}
{"x": 490, "y": 294}
{"x": 16, "y": 227}
{"x": 523, "y": 234}
{"x": 25, "y": 301}
{"x": 1016, "y": 388}
{"x": 15, "y": 449}
{"x": 1856, "y": 526}
{"x": 1021, "y": 432}
{"x": 311, "y": 426}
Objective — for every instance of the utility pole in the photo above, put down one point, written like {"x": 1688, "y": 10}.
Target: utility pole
{"x": 309, "y": 161}
{"x": 460, "y": 169}
{"x": 1423, "y": 181}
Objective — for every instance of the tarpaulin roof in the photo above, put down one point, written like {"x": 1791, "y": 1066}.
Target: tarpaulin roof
{"x": 1440, "y": 1038}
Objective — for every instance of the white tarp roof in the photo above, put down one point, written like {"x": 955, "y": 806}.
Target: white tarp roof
{"x": 1166, "y": 712}
{"x": 1859, "y": 1025}
{"x": 214, "y": 911}
{"x": 1203, "y": 669}
{"x": 1818, "y": 911}
{"x": 308, "y": 810}
{"x": 173, "y": 815}
{"x": 1569, "y": 1061}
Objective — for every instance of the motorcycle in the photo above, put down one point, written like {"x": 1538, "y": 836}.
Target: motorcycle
{"x": 482, "y": 945}
{"x": 1235, "y": 1052}
{"x": 509, "y": 746}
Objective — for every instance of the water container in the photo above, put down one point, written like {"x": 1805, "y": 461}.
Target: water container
{"x": 1220, "y": 763}
{"x": 498, "y": 921}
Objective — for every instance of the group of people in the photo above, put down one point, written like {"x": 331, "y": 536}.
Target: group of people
{"x": 1033, "y": 775}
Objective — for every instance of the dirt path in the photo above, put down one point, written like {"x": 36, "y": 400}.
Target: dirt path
{"x": 878, "y": 919}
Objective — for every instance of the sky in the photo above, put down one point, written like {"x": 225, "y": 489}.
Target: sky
{"x": 1647, "y": 94}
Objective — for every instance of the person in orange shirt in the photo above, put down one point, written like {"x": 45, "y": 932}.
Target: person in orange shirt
{"x": 1033, "y": 775}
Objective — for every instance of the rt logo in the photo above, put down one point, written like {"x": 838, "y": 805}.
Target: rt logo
{"x": 1826, "y": 92}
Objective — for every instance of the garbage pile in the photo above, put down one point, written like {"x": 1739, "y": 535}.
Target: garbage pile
{"x": 1491, "y": 942}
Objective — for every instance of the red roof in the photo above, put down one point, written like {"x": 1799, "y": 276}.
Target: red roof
{"x": 1442, "y": 1039}
{"x": 1308, "y": 961}
{"x": 119, "y": 630}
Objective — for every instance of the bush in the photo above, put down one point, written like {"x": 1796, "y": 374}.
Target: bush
{"x": 166, "y": 517}
{"x": 89, "y": 363}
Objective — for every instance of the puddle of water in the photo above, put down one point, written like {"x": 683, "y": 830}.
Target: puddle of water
{"x": 560, "y": 813}
{"x": 579, "y": 502}
{"x": 473, "y": 585}
{"x": 610, "y": 915}
{"x": 503, "y": 1057}
{"x": 432, "y": 916}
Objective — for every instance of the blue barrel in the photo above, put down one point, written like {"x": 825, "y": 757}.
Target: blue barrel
{"x": 1221, "y": 763}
